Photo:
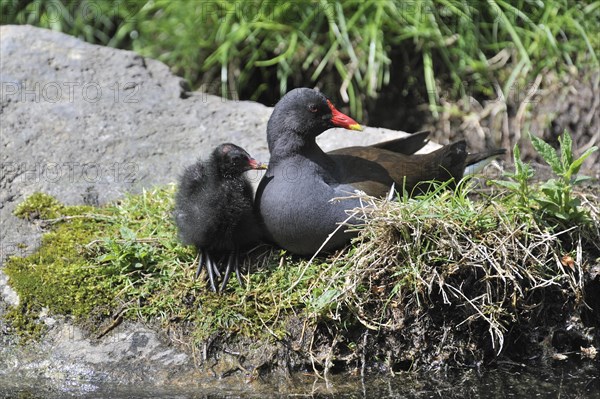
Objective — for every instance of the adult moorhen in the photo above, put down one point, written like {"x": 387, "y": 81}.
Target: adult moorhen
{"x": 214, "y": 211}
{"x": 294, "y": 198}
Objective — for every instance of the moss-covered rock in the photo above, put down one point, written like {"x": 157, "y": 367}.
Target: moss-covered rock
{"x": 39, "y": 206}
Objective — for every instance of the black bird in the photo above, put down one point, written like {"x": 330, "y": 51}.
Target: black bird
{"x": 294, "y": 198}
{"x": 214, "y": 210}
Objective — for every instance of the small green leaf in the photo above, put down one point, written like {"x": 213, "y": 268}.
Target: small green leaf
{"x": 127, "y": 234}
{"x": 516, "y": 154}
{"x": 522, "y": 170}
{"x": 107, "y": 257}
{"x": 551, "y": 184}
{"x": 511, "y": 185}
{"x": 326, "y": 298}
{"x": 566, "y": 150}
{"x": 580, "y": 179}
{"x": 547, "y": 153}
{"x": 576, "y": 165}
{"x": 561, "y": 215}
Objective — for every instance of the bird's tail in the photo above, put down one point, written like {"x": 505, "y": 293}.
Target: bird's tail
{"x": 407, "y": 145}
{"x": 477, "y": 161}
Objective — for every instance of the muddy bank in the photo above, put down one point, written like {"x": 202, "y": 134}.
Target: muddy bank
{"x": 417, "y": 292}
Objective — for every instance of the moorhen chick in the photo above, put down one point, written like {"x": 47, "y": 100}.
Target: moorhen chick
{"x": 294, "y": 198}
{"x": 214, "y": 210}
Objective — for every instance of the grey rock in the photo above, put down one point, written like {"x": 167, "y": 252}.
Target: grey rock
{"x": 131, "y": 354}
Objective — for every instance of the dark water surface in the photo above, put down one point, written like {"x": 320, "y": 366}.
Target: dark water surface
{"x": 563, "y": 381}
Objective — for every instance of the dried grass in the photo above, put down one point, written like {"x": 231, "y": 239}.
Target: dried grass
{"x": 482, "y": 265}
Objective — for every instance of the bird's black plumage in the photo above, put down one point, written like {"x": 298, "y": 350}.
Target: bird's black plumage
{"x": 295, "y": 197}
{"x": 214, "y": 207}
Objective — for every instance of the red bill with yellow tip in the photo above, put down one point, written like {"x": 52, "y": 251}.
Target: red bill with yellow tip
{"x": 341, "y": 120}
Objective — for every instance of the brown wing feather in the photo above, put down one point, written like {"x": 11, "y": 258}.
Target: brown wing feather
{"x": 373, "y": 170}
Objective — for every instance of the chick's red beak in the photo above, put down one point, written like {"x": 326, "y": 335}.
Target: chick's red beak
{"x": 342, "y": 120}
{"x": 254, "y": 164}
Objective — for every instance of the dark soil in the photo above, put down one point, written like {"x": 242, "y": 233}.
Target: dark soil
{"x": 570, "y": 102}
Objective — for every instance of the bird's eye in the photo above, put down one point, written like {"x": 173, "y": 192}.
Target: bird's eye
{"x": 312, "y": 108}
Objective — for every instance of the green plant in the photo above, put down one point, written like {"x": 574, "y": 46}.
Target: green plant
{"x": 351, "y": 45}
{"x": 438, "y": 272}
{"x": 519, "y": 180}
{"x": 38, "y": 206}
{"x": 106, "y": 22}
{"x": 554, "y": 199}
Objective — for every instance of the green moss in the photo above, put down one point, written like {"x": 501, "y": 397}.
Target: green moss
{"x": 58, "y": 276}
{"x": 21, "y": 320}
{"x": 39, "y": 206}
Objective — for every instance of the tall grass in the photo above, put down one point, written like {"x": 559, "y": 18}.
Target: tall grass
{"x": 105, "y": 22}
{"x": 262, "y": 48}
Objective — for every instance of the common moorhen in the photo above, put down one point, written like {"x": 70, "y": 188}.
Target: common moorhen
{"x": 214, "y": 211}
{"x": 294, "y": 198}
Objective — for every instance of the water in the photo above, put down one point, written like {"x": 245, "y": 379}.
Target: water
{"x": 563, "y": 381}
